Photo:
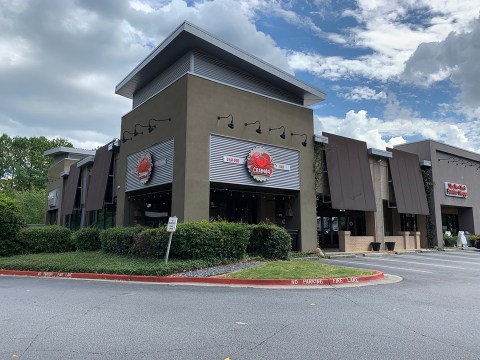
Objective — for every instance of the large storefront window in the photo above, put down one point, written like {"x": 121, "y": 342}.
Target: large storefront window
{"x": 408, "y": 222}
{"x": 331, "y": 221}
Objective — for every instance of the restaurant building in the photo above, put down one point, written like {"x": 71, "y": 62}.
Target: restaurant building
{"x": 216, "y": 133}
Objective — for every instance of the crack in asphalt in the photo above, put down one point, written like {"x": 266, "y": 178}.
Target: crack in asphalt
{"x": 406, "y": 327}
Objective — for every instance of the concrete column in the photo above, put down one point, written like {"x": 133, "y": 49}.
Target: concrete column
{"x": 377, "y": 189}
{"x": 344, "y": 240}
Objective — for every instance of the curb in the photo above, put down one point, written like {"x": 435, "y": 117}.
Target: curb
{"x": 198, "y": 280}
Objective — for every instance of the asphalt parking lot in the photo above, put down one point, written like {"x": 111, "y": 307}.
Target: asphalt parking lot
{"x": 458, "y": 265}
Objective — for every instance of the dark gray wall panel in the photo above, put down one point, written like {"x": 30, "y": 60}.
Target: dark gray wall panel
{"x": 350, "y": 179}
{"x": 174, "y": 72}
{"x": 211, "y": 68}
{"x": 99, "y": 179}
{"x": 408, "y": 183}
{"x": 70, "y": 190}
{"x": 225, "y": 172}
{"x": 162, "y": 171}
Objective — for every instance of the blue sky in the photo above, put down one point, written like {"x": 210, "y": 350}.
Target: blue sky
{"x": 393, "y": 70}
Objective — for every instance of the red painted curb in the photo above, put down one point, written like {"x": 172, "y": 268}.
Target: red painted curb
{"x": 198, "y": 280}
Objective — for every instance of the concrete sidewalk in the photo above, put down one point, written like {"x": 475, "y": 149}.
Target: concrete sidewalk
{"x": 337, "y": 254}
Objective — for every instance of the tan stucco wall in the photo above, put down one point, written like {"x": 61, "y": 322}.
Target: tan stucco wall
{"x": 206, "y": 101}
{"x": 172, "y": 102}
{"x": 194, "y": 104}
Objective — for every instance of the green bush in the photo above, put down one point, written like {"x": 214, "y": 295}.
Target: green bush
{"x": 236, "y": 239}
{"x": 119, "y": 240}
{"x": 197, "y": 240}
{"x": 87, "y": 239}
{"x": 46, "y": 239}
{"x": 269, "y": 241}
{"x": 11, "y": 222}
{"x": 448, "y": 240}
{"x": 151, "y": 243}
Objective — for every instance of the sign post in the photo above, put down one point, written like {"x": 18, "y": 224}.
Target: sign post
{"x": 171, "y": 227}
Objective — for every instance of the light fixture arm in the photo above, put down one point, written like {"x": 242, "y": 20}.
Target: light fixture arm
{"x": 259, "y": 130}
{"x": 282, "y": 135}
{"x": 135, "y": 132}
{"x": 304, "y": 142}
{"x": 230, "y": 124}
{"x": 124, "y": 139}
{"x": 151, "y": 127}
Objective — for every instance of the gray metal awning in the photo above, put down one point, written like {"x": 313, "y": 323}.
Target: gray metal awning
{"x": 349, "y": 177}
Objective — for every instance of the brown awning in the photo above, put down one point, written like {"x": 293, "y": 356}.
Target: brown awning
{"x": 349, "y": 176}
{"x": 70, "y": 190}
{"x": 99, "y": 179}
{"x": 407, "y": 181}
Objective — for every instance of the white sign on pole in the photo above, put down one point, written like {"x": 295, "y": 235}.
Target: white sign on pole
{"x": 171, "y": 227}
{"x": 172, "y": 224}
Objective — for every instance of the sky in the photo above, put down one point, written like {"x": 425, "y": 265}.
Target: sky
{"x": 393, "y": 71}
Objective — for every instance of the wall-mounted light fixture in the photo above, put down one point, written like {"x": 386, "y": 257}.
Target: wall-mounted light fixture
{"x": 135, "y": 132}
{"x": 282, "y": 135}
{"x": 151, "y": 127}
{"x": 230, "y": 124}
{"x": 304, "y": 142}
{"x": 124, "y": 139}
{"x": 259, "y": 130}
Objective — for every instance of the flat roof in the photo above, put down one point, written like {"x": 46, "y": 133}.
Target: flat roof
{"x": 188, "y": 37}
{"x": 67, "y": 150}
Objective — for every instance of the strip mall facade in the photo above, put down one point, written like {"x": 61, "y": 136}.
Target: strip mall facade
{"x": 215, "y": 133}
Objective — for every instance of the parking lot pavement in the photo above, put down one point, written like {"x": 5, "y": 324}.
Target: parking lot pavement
{"x": 435, "y": 265}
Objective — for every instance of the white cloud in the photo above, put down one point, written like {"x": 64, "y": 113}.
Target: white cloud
{"x": 380, "y": 133}
{"x": 61, "y": 60}
{"x": 456, "y": 58}
{"x": 363, "y": 93}
{"x": 390, "y": 31}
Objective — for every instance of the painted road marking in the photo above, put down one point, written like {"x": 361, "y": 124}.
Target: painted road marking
{"x": 440, "y": 259}
{"x": 379, "y": 265}
{"x": 423, "y": 263}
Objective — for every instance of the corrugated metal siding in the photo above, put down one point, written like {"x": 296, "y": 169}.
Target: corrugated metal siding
{"x": 214, "y": 69}
{"x": 224, "y": 172}
{"x": 160, "y": 174}
{"x": 174, "y": 72}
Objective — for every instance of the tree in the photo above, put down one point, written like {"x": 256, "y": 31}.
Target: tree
{"x": 22, "y": 163}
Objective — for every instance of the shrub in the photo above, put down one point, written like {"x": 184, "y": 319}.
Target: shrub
{"x": 236, "y": 238}
{"x": 269, "y": 241}
{"x": 151, "y": 243}
{"x": 10, "y": 223}
{"x": 49, "y": 239}
{"x": 119, "y": 240}
{"x": 87, "y": 239}
{"x": 449, "y": 240}
{"x": 197, "y": 240}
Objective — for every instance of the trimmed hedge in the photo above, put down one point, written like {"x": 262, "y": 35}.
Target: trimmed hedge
{"x": 197, "y": 240}
{"x": 119, "y": 240}
{"x": 269, "y": 241}
{"x": 11, "y": 222}
{"x": 236, "y": 239}
{"x": 46, "y": 239}
{"x": 151, "y": 243}
{"x": 87, "y": 239}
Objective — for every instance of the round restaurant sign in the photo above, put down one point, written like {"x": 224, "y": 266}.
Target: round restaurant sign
{"x": 260, "y": 164}
{"x": 144, "y": 168}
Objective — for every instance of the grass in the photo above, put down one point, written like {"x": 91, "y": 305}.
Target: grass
{"x": 99, "y": 262}
{"x": 296, "y": 270}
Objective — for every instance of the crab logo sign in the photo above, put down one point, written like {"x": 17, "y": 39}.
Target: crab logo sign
{"x": 260, "y": 164}
{"x": 144, "y": 168}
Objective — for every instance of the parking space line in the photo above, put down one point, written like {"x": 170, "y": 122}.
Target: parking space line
{"x": 440, "y": 259}
{"x": 383, "y": 266}
{"x": 437, "y": 256}
{"x": 422, "y": 263}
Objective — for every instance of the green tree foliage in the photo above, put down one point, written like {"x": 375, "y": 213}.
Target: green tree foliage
{"x": 22, "y": 163}
{"x": 31, "y": 204}
{"x": 10, "y": 223}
